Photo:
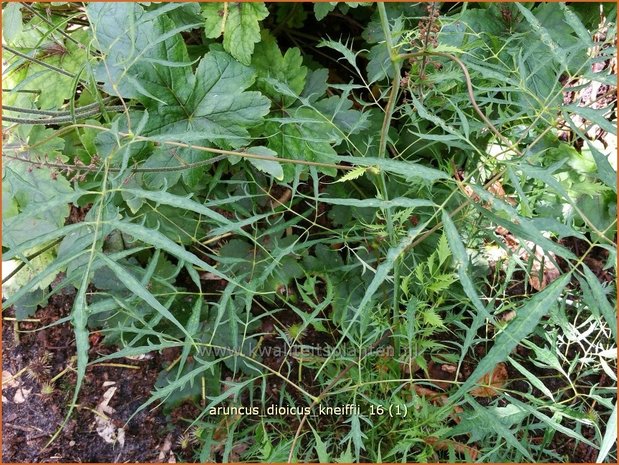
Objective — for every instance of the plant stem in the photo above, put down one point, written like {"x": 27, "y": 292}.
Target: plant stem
{"x": 60, "y": 31}
{"x": 28, "y": 258}
{"x": 58, "y": 119}
{"x": 382, "y": 153}
{"x": 38, "y": 62}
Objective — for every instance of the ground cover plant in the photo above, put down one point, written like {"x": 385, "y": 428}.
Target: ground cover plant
{"x": 331, "y": 232}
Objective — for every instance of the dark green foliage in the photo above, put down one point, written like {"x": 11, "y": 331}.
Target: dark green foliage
{"x": 409, "y": 186}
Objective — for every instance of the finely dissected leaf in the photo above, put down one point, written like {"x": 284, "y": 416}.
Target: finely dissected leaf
{"x": 551, "y": 423}
{"x": 353, "y": 174}
{"x": 605, "y": 171}
{"x": 381, "y": 275}
{"x": 158, "y": 240}
{"x": 239, "y": 24}
{"x": 377, "y": 203}
{"x": 607, "y": 310}
{"x": 408, "y": 170}
{"x": 493, "y": 422}
{"x": 520, "y": 327}
{"x": 139, "y": 290}
{"x": 610, "y": 437}
{"x": 462, "y": 264}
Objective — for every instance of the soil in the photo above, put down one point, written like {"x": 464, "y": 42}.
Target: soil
{"x": 34, "y": 407}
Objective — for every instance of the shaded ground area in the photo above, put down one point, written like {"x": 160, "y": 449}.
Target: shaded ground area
{"x": 38, "y": 382}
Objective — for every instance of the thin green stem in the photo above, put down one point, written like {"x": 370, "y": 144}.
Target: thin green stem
{"x": 382, "y": 153}
{"x": 43, "y": 18}
{"x": 35, "y": 111}
{"x": 37, "y": 61}
{"x": 29, "y": 258}
{"x": 60, "y": 119}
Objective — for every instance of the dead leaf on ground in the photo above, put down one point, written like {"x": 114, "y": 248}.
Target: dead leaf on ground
{"x": 8, "y": 380}
{"x": 21, "y": 395}
{"x": 491, "y": 383}
{"x": 104, "y": 425}
{"x": 446, "y": 444}
{"x": 442, "y": 374}
{"x": 438, "y": 398}
{"x": 166, "y": 450}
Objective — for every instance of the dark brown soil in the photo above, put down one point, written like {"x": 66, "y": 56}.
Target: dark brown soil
{"x": 34, "y": 408}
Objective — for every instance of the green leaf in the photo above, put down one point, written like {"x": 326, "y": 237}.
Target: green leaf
{"x": 407, "y": 169}
{"x": 607, "y": 310}
{"x": 605, "y": 171}
{"x": 321, "y": 447}
{"x": 238, "y": 22}
{"x": 11, "y": 21}
{"x": 143, "y": 51}
{"x": 270, "y": 167}
{"x": 555, "y": 50}
{"x": 52, "y": 88}
{"x": 381, "y": 275}
{"x": 303, "y": 135}
{"x": 132, "y": 283}
{"x": 158, "y": 240}
{"x": 43, "y": 202}
{"x": 353, "y": 174}
{"x": 212, "y": 102}
{"x": 442, "y": 249}
{"x": 164, "y": 392}
{"x": 349, "y": 55}
{"x": 601, "y": 116}
{"x": 526, "y": 321}
{"x": 534, "y": 380}
{"x": 462, "y": 264}
{"x": 610, "y": 437}
{"x": 490, "y": 420}
{"x": 321, "y": 10}
{"x": 551, "y": 423}
{"x": 193, "y": 325}
{"x": 377, "y": 203}
{"x": 271, "y": 64}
